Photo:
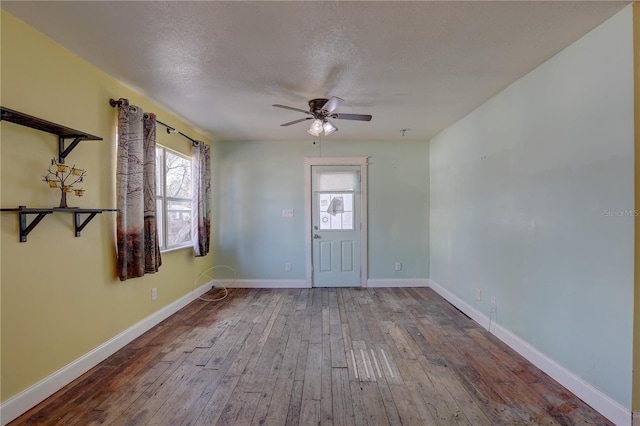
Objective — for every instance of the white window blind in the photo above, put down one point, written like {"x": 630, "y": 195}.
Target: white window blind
{"x": 336, "y": 181}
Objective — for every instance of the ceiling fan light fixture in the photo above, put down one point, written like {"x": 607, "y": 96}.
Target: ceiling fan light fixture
{"x": 320, "y": 110}
{"x": 316, "y": 127}
{"x": 329, "y": 128}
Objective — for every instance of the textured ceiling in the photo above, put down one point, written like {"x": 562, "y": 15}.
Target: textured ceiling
{"x": 221, "y": 65}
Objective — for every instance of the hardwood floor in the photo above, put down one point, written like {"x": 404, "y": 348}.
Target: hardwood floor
{"x": 315, "y": 356}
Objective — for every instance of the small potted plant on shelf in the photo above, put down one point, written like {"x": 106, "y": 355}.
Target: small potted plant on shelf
{"x": 63, "y": 177}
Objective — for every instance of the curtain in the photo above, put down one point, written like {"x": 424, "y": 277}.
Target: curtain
{"x": 137, "y": 233}
{"x": 201, "y": 198}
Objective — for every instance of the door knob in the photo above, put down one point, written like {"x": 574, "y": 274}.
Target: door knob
{"x": 316, "y": 236}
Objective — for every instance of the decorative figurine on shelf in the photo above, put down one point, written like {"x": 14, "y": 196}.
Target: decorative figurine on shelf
{"x": 57, "y": 178}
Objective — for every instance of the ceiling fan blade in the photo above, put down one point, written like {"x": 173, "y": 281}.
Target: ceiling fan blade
{"x": 291, "y": 108}
{"x": 296, "y": 121}
{"x": 359, "y": 117}
{"x": 332, "y": 104}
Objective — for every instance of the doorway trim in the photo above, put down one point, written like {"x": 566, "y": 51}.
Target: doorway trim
{"x": 336, "y": 161}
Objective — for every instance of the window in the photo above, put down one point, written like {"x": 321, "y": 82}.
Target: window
{"x": 335, "y": 191}
{"x": 173, "y": 201}
{"x": 336, "y": 211}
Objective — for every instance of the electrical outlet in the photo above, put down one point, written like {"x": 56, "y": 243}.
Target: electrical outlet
{"x": 478, "y": 294}
{"x": 398, "y": 266}
{"x": 287, "y": 266}
{"x": 154, "y": 293}
{"x": 287, "y": 213}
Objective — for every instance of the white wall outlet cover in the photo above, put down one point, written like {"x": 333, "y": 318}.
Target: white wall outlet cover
{"x": 287, "y": 213}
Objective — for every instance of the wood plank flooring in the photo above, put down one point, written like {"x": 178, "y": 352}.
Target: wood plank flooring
{"x": 398, "y": 356}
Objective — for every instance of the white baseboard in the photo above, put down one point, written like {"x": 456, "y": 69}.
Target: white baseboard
{"x": 469, "y": 310}
{"x": 38, "y": 392}
{"x": 601, "y": 402}
{"x": 262, "y": 283}
{"x": 397, "y": 282}
{"x": 384, "y": 282}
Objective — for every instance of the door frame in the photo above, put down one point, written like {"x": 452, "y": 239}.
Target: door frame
{"x": 336, "y": 161}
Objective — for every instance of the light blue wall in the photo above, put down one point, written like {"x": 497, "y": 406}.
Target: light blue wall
{"x": 532, "y": 201}
{"x": 255, "y": 180}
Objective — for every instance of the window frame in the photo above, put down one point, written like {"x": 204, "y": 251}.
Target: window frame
{"x": 165, "y": 200}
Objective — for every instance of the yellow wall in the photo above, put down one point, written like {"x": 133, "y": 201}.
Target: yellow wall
{"x": 60, "y": 296}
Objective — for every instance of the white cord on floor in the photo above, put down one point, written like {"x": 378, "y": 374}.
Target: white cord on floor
{"x": 208, "y": 273}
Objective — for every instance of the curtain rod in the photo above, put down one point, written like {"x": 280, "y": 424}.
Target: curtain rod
{"x": 170, "y": 129}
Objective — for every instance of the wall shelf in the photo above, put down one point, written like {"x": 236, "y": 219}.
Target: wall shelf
{"x": 62, "y": 132}
{"x": 78, "y": 222}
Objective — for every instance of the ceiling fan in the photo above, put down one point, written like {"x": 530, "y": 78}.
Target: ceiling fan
{"x": 320, "y": 110}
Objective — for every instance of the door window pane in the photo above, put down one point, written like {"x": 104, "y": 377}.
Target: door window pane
{"x": 347, "y": 220}
{"x": 335, "y": 211}
{"x": 348, "y": 202}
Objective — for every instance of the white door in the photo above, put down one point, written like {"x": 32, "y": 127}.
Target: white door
{"x": 336, "y": 226}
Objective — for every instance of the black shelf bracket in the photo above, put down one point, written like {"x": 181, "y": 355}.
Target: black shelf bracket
{"x": 78, "y": 223}
{"x": 62, "y": 132}
{"x": 26, "y": 228}
{"x": 62, "y": 151}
